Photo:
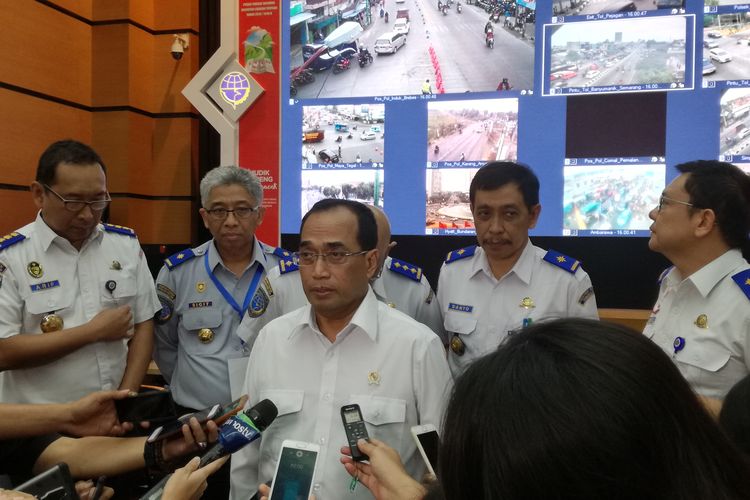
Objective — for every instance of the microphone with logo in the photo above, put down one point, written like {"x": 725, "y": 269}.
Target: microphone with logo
{"x": 236, "y": 433}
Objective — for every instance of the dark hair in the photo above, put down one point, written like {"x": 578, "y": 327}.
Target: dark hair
{"x": 735, "y": 415}
{"x": 725, "y": 189}
{"x": 497, "y": 174}
{"x": 575, "y": 408}
{"x": 67, "y": 151}
{"x": 367, "y": 229}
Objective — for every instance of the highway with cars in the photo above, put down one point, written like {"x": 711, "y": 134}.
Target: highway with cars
{"x": 736, "y": 47}
{"x": 366, "y": 141}
{"x": 454, "y": 43}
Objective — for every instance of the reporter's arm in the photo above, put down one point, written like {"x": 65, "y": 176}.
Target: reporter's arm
{"x": 189, "y": 482}
{"x": 385, "y": 475}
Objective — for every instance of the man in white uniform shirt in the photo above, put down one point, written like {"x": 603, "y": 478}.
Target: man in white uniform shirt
{"x": 397, "y": 283}
{"x": 494, "y": 290}
{"x": 345, "y": 347}
{"x": 76, "y": 296}
{"x": 702, "y": 315}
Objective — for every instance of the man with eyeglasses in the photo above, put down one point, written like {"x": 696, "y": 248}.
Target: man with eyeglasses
{"x": 76, "y": 296}
{"x": 345, "y": 347}
{"x": 399, "y": 284}
{"x": 702, "y": 315}
{"x": 494, "y": 290}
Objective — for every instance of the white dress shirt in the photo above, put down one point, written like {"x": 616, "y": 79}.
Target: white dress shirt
{"x": 73, "y": 285}
{"x": 711, "y": 313}
{"x": 483, "y": 310}
{"x": 386, "y": 362}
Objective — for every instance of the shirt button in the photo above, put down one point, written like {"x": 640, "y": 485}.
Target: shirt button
{"x": 322, "y": 440}
{"x": 316, "y": 486}
{"x": 328, "y": 396}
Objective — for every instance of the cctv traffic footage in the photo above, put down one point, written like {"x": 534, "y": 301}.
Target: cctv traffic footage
{"x": 574, "y": 10}
{"x": 470, "y": 133}
{"x": 610, "y": 196}
{"x": 726, "y": 47}
{"x": 348, "y": 181}
{"x": 343, "y": 134}
{"x": 618, "y": 55}
{"x": 448, "y": 211}
{"x": 417, "y": 42}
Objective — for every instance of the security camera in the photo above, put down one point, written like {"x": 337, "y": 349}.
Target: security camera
{"x": 179, "y": 45}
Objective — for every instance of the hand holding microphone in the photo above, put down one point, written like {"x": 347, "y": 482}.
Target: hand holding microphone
{"x": 236, "y": 433}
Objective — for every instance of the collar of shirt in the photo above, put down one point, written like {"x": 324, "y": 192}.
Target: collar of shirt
{"x": 365, "y": 319}
{"x": 708, "y": 276}
{"x": 379, "y": 287}
{"x": 522, "y": 268}
{"x": 214, "y": 259}
{"x": 47, "y": 236}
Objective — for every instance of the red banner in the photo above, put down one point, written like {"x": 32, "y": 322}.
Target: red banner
{"x": 259, "y": 32}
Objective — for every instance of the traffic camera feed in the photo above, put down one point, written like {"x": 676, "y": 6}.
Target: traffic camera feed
{"x": 611, "y": 200}
{"x": 448, "y": 210}
{"x": 470, "y": 133}
{"x": 726, "y": 45}
{"x": 569, "y": 8}
{"x": 618, "y": 55}
{"x": 416, "y": 47}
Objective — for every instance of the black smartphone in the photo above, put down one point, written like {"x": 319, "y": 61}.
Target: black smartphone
{"x": 219, "y": 414}
{"x": 52, "y": 484}
{"x": 354, "y": 426}
{"x": 150, "y": 406}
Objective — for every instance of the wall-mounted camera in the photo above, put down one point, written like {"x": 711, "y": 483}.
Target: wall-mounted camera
{"x": 179, "y": 44}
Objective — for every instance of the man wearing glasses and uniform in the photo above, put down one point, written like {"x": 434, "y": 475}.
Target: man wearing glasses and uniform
{"x": 204, "y": 293}
{"x": 345, "y": 347}
{"x": 76, "y": 296}
{"x": 701, "y": 318}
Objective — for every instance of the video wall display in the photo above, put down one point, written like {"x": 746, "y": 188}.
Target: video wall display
{"x": 599, "y": 97}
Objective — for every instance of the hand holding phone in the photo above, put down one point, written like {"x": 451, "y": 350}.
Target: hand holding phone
{"x": 219, "y": 414}
{"x": 150, "y": 406}
{"x": 354, "y": 426}
{"x": 295, "y": 470}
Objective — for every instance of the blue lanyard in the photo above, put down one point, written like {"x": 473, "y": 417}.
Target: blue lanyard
{"x": 228, "y": 296}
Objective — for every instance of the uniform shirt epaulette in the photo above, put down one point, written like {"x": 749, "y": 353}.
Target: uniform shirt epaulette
{"x": 459, "y": 254}
{"x": 281, "y": 253}
{"x": 287, "y": 265}
{"x": 175, "y": 260}
{"x": 562, "y": 261}
{"x": 113, "y": 228}
{"x": 408, "y": 270}
{"x": 664, "y": 274}
{"x": 10, "y": 240}
{"x": 742, "y": 279}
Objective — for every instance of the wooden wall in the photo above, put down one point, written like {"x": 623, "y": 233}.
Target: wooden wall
{"x": 100, "y": 71}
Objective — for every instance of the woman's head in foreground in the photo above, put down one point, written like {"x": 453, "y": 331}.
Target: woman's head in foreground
{"x": 582, "y": 409}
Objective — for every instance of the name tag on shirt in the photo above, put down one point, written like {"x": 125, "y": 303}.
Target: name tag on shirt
{"x": 460, "y": 307}
{"x": 45, "y": 286}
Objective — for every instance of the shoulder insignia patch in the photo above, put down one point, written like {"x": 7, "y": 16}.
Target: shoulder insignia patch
{"x": 10, "y": 240}
{"x": 664, "y": 274}
{"x": 287, "y": 265}
{"x": 562, "y": 261}
{"x": 408, "y": 270}
{"x": 176, "y": 259}
{"x": 742, "y": 279}
{"x": 280, "y": 252}
{"x": 113, "y": 228}
{"x": 462, "y": 253}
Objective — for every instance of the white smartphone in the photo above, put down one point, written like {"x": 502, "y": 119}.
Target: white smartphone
{"x": 295, "y": 471}
{"x": 428, "y": 442}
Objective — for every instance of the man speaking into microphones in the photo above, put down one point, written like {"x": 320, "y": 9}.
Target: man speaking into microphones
{"x": 237, "y": 432}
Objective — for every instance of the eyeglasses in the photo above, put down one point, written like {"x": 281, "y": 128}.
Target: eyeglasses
{"x": 663, "y": 198}
{"x": 336, "y": 257}
{"x": 240, "y": 212}
{"x": 78, "y": 205}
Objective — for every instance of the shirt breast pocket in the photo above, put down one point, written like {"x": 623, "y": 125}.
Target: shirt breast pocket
{"x": 119, "y": 292}
{"x": 289, "y": 404}
{"x": 704, "y": 356}
{"x": 195, "y": 336}
{"x": 384, "y": 417}
{"x": 55, "y": 301}
{"x": 460, "y": 323}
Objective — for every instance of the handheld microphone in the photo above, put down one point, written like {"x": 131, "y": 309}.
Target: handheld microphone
{"x": 237, "y": 432}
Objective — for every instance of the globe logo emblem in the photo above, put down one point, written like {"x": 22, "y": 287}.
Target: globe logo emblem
{"x": 234, "y": 88}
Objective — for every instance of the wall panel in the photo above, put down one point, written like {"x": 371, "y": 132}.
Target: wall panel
{"x": 23, "y": 211}
{"x": 159, "y": 222}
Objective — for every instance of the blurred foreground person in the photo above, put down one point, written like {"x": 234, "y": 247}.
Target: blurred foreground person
{"x": 572, "y": 409}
